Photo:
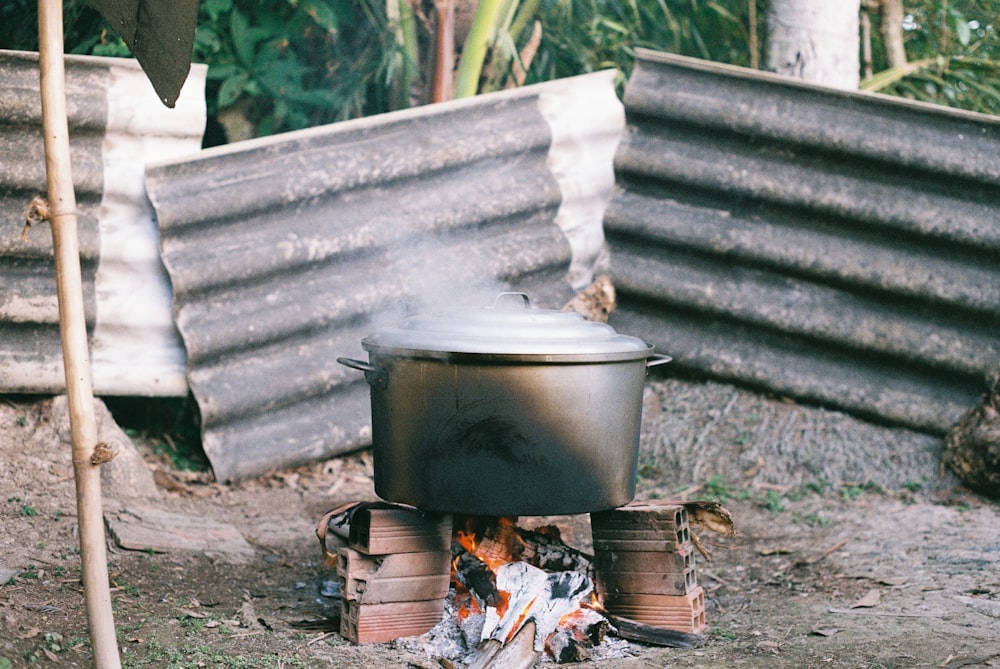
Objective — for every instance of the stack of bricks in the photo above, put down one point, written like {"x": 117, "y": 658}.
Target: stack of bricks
{"x": 395, "y": 573}
{"x": 644, "y": 566}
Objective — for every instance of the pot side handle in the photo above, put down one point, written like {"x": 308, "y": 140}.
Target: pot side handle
{"x": 657, "y": 359}
{"x": 375, "y": 376}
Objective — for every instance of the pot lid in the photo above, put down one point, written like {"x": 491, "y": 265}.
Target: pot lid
{"x": 511, "y": 327}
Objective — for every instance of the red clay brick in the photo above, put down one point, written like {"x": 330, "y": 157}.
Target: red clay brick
{"x": 378, "y": 623}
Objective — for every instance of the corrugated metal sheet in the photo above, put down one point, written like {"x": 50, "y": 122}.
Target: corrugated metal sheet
{"x": 285, "y": 252}
{"x": 116, "y": 125}
{"x": 837, "y": 248}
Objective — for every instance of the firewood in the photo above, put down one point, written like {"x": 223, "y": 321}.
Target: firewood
{"x": 484, "y": 654}
{"x": 477, "y": 577}
{"x": 531, "y": 594}
{"x": 518, "y": 653}
{"x": 499, "y": 540}
{"x": 634, "y": 630}
{"x": 565, "y": 648}
{"x": 576, "y": 634}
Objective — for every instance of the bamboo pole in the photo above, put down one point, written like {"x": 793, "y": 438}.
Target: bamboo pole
{"x": 73, "y": 334}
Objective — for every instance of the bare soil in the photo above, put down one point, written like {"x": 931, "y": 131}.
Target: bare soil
{"x": 825, "y": 573}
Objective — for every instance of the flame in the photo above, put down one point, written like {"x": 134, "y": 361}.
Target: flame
{"x": 573, "y": 617}
{"x": 496, "y": 542}
{"x": 594, "y": 603}
{"x": 466, "y": 603}
{"x": 520, "y": 618}
{"x": 494, "y": 551}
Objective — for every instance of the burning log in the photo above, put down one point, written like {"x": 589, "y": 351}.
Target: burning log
{"x": 576, "y": 634}
{"x": 518, "y": 653}
{"x": 532, "y": 594}
{"x": 536, "y": 611}
{"x": 497, "y": 541}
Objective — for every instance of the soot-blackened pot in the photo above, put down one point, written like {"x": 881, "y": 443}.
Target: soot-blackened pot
{"x": 505, "y": 410}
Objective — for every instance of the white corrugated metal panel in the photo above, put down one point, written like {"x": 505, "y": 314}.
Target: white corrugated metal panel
{"x": 285, "y": 252}
{"x": 835, "y": 247}
{"x": 117, "y": 124}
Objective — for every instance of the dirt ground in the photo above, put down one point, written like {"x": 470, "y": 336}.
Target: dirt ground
{"x": 825, "y": 573}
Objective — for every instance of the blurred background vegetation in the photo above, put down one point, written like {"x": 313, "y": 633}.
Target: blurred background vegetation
{"x": 279, "y": 65}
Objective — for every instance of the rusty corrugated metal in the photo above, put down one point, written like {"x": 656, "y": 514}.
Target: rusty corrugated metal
{"x": 285, "y": 252}
{"x": 838, "y": 248}
{"x": 116, "y": 125}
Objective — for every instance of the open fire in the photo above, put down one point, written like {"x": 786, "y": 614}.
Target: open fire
{"x": 514, "y": 593}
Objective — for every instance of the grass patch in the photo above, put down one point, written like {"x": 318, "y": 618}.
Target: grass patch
{"x": 198, "y": 656}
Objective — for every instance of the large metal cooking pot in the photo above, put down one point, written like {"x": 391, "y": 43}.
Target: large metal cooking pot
{"x": 506, "y": 410}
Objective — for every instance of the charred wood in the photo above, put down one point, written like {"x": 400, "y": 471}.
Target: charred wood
{"x": 499, "y": 540}
{"x": 477, "y": 578}
{"x": 634, "y": 630}
{"x": 518, "y": 653}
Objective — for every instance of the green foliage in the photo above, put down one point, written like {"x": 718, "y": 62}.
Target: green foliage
{"x": 279, "y": 65}
{"x": 288, "y": 64}
{"x": 955, "y": 47}
{"x": 592, "y": 35}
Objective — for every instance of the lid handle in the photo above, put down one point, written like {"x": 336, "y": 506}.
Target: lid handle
{"x": 525, "y": 300}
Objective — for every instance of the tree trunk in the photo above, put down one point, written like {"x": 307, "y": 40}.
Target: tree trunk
{"x": 814, "y": 41}
{"x": 892, "y": 32}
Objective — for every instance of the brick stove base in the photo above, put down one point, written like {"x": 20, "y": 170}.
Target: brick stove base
{"x": 396, "y": 573}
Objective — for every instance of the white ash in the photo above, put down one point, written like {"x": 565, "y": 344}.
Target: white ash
{"x": 455, "y": 640}
{"x": 535, "y": 595}
{"x": 446, "y": 640}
